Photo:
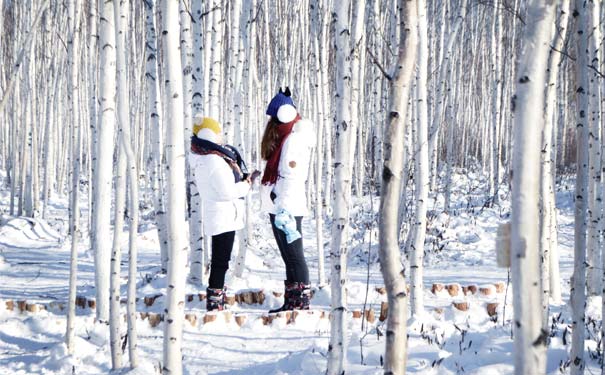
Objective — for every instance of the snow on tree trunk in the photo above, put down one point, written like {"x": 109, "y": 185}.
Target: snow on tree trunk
{"x": 175, "y": 172}
{"x": 530, "y": 336}
{"x": 578, "y": 292}
{"x": 390, "y": 257}
{"x": 102, "y": 178}
{"x": 73, "y": 9}
{"x": 342, "y": 192}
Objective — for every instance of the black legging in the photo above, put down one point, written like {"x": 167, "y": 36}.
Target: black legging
{"x": 292, "y": 253}
{"x": 222, "y": 244}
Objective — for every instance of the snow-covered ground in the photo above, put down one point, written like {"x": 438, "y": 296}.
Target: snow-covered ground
{"x": 34, "y": 256}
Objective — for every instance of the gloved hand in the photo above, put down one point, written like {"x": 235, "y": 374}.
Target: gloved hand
{"x": 287, "y": 224}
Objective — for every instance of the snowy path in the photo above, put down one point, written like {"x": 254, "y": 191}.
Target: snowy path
{"x": 445, "y": 341}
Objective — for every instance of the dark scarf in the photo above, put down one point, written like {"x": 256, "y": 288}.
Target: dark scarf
{"x": 271, "y": 169}
{"x": 227, "y": 152}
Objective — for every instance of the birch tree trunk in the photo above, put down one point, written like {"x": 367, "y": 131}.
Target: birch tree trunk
{"x": 115, "y": 321}
{"x": 593, "y": 253}
{"x": 578, "y": 292}
{"x": 126, "y": 151}
{"x": 175, "y": 172}
{"x": 551, "y": 283}
{"x": 390, "y": 259}
{"x": 530, "y": 336}
{"x": 157, "y": 132}
{"x": 102, "y": 178}
{"x": 342, "y": 192}
{"x": 196, "y": 239}
{"x": 421, "y": 169}
{"x": 73, "y": 8}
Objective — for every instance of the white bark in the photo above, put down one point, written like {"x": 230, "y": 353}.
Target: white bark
{"x": 421, "y": 169}
{"x": 157, "y": 134}
{"x": 530, "y": 336}
{"x": 115, "y": 321}
{"x": 578, "y": 292}
{"x": 102, "y": 178}
{"x": 342, "y": 193}
{"x": 73, "y": 46}
{"x": 216, "y": 66}
{"x": 390, "y": 257}
{"x": 175, "y": 172}
{"x": 318, "y": 32}
{"x": 121, "y": 17}
{"x": 548, "y": 230}
{"x": 593, "y": 254}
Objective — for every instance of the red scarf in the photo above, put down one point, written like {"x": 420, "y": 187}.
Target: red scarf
{"x": 271, "y": 169}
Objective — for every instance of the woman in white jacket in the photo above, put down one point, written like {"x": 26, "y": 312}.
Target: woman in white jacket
{"x": 286, "y": 146}
{"x": 222, "y": 182}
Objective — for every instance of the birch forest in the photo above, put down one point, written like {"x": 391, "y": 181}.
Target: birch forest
{"x": 444, "y": 167}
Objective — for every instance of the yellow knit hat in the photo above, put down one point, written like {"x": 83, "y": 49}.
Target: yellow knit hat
{"x": 200, "y": 123}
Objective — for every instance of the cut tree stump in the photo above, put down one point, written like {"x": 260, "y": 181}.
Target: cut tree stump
{"x": 190, "y": 297}
{"x": 21, "y": 305}
{"x": 492, "y": 309}
{"x": 356, "y": 314}
{"x": 191, "y": 318}
{"x": 240, "y": 320}
{"x": 472, "y": 289}
{"x": 201, "y": 296}
{"x": 10, "y": 305}
{"x": 154, "y": 319}
{"x": 453, "y": 289}
{"x": 92, "y": 303}
{"x": 487, "y": 291}
{"x": 81, "y": 302}
{"x": 267, "y": 319}
{"x": 230, "y": 300}
{"x": 34, "y": 307}
{"x": 500, "y": 287}
{"x": 212, "y": 316}
{"x": 150, "y": 300}
{"x": 462, "y": 306}
{"x": 384, "y": 310}
{"x": 437, "y": 287}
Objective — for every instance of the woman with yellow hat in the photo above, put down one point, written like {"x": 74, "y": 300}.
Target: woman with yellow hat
{"x": 222, "y": 181}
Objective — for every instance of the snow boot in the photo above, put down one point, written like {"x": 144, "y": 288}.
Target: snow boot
{"x": 297, "y": 296}
{"x": 215, "y": 299}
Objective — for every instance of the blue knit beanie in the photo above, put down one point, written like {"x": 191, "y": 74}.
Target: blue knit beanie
{"x": 282, "y": 98}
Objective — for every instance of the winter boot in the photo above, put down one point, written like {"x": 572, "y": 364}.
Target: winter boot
{"x": 301, "y": 297}
{"x": 297, "y": 296}
{"x": 215, "y": 299}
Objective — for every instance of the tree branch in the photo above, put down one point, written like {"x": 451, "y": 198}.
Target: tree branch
{"x": 384, "y": 72}
{"x": 592, "y": 67}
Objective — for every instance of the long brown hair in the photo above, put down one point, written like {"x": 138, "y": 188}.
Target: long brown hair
{"x": 270, "y": 139}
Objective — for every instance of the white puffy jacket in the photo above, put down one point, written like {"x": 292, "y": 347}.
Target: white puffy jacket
{"x": 223, "y": 210}
{"x": 292, "y": 170}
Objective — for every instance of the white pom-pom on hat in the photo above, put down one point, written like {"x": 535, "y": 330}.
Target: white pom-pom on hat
{"x": 286, "y": 113}
{"x": 208, "y": 135}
